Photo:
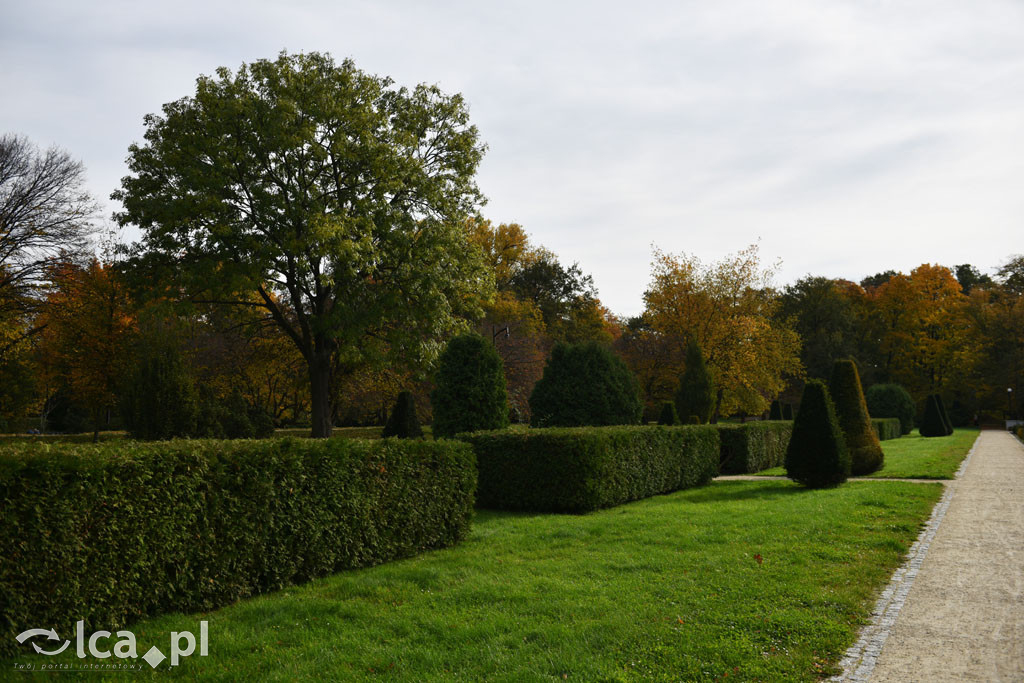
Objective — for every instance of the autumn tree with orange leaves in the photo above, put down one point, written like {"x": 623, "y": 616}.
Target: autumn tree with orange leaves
{"x": 727, "y": 307}
{"x": 88, "y": 325}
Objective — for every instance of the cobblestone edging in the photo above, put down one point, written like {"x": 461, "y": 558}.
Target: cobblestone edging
{"x": 859, "y": 661}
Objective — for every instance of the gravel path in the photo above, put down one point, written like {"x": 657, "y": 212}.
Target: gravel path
{"x": 960, "y": 616}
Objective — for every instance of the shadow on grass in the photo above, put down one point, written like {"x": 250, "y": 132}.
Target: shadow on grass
{"x": 722, "y": 491}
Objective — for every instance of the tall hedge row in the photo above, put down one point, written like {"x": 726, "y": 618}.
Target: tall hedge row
{"x": 887, "y": 427}
{"x": 754, "y": 446}
{"x": 587, "y": 468}
{"x": 111, "y": 533}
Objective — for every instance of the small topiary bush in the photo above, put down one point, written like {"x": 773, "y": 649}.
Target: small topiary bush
{"x": 861, "y": 440}
{"x": 932, "y": 424}
{"x": 587, "y": 468}
{"x": 891, "y": 400}
{"x": 775, "y": 412}
{"x": 696, "y": 395}
{"x": 787, "y": 411}
{"x": 585, "y": 385}
{"x": 668, "y": 415}
{"x": 402, "y": 422}
{"x": 114, "y": 532}
{"x": 469, "y": 392}
{"x": 816, "y": 456}
{"x": 753, "y": 446}
{"x": 887, "y": 428}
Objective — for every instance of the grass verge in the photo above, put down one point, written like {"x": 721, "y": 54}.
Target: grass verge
{"x": 744, "y": 580}
{"x": 916, "y": 457}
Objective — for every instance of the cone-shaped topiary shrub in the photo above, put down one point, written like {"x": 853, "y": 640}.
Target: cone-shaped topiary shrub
{"x": 775, "y": 412}
{"x": 932, "y": 424}
{"x": 696, "y": 395}
{"x": 403, "y": 422}
{"x": 891, "y": 400}
{"x": 945, "y": 415}
{"x": 861, "y": 439}
{"x": 668, "y": 414}
{"x": 817, "y": 456}
{"x": 787, "y": 411}
{"x": 469, "y": 392}
{"x": 585, "y": 384}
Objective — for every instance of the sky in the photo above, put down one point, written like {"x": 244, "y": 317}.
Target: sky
{"x": 845, "y": 138}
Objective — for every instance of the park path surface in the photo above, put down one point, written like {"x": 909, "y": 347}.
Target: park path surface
{"x": 963, "y": 614}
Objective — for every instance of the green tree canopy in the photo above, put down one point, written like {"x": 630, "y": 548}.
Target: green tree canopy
{"x": 321, "y": 194}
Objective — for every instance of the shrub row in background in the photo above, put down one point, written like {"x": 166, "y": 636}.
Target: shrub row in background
{"x": 587, "y": 468}
{"x": 108, "y": 534}
{"x": 887, "y": 427}
{"x": 754, "y": 446}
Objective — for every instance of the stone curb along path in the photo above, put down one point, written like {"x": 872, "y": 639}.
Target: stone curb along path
{"x": 965, "y": 620}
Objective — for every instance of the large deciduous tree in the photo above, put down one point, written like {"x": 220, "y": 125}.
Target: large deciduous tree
{"x": 728, "y": 310}
{"x": 45, "y": 214}
{"x": 337, "y": 199}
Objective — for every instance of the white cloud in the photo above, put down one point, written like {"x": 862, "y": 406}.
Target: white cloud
{"x": 851, "y": 137}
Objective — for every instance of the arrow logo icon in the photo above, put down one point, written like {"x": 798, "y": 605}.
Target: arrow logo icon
{"x": 50, "y": 635}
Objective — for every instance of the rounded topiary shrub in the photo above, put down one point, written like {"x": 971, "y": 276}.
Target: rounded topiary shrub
{"x": 787, "y": 411}
{"x": 585, "y": 384}
{"x": 696, "y": 395}
{"x": 932, "y": 424}
{"x": 668, "y": 414}
{"x": 403, "y": 422}
{"x": 891, "y": 400}
{"x": 775, "y": 412}
{"x": 861, "y": 438}
{"x": 469, "y": 392}
{"x": 817, "y": 456}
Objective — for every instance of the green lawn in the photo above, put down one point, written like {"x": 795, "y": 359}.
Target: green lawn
{"x": 744, "y": 580}
{"x": 916, "y": 457}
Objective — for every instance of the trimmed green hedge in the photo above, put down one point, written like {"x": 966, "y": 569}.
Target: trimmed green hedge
{"x": 579, "y": 469}
{"x": 887, "y": 427}
{"x": 114, "y": 532}
{"x": 753, "y": 446}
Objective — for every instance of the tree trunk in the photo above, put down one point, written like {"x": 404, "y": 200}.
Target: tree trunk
{"x": 321, "y": 409}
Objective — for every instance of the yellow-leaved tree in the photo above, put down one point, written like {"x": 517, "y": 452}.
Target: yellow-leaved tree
{"x": 727, "y": 307}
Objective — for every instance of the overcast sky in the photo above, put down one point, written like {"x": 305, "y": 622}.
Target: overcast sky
{"x": 847, "y": 138}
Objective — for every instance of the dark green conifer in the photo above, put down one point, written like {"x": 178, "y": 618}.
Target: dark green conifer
{"x": 402, "y": 422}
{"x": 696, "y": 395}
{"x": 861, "y": 439}
{"x": 817, "y": 456}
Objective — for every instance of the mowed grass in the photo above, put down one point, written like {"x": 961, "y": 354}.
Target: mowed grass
{"x": 739, "y": 580}
{"x": 916, "y": 457}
